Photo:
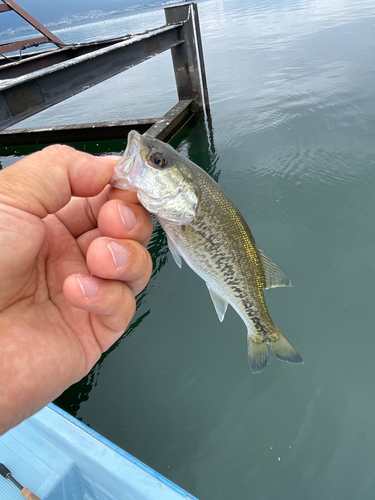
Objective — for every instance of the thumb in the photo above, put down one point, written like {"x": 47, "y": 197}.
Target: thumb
{"x": 35, "y": 186}
{"x": 43, "y": 182}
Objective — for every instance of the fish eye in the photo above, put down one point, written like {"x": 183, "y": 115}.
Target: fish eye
{"x": 158, "y": 160}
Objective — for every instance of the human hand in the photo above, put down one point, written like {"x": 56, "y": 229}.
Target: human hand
{"x": 72, "y": 259}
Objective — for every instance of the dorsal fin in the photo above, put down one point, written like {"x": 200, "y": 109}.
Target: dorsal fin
{"x": 273, "y": 275}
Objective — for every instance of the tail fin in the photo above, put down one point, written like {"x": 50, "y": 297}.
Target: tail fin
{"x": 282, "y": 349}
{"x": 285, "y": 351}
{"x": 258, "y": 355}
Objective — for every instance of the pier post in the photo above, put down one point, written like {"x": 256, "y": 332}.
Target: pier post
{"x": 185, "y": 55}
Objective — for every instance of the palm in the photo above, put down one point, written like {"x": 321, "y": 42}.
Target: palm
{"x": 74, "y": 340}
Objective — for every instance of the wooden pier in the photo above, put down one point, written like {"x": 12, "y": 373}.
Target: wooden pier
{"x": 32, "y": 82}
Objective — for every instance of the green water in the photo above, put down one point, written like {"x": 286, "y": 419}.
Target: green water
{"x": 293, "y": 111}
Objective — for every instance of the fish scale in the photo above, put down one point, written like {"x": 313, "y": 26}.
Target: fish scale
{"x": 205, "y": 228}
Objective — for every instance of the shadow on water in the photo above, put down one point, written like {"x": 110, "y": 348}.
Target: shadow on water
{"x": 195, "y": 141}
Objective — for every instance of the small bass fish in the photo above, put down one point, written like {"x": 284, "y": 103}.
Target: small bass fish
{"x": 205, "y": 228}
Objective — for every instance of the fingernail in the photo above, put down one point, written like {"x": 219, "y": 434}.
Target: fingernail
{"x": 119, "y": 254}
{"x": 88, "y": 286}
{"x": 127, "y": 217}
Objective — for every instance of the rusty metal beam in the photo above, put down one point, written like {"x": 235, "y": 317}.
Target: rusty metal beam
{"x": 46, "y": 78}
{"x": 74, "y": 133}
{"x": 29, "y": 94}
{"x": 13, "y": 67}
{"x": 184, "y": 56}
{"x": 23, "y": 44}
{"x": 165, "y": 128}
{"x": 11, "y": 4}
{"x": 201, "y": 58}
{"x": 162, "y": 128}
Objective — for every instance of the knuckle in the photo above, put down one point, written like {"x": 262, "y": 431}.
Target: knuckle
{"x": 57, "y": 149}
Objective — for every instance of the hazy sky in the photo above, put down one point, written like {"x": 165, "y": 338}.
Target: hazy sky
{"x": 47, "y": 11}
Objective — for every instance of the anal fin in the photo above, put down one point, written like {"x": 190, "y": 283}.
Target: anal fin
{"x": 219, "y": 302}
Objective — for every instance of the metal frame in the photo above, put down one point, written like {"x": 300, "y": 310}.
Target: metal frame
{"x": 46, "y": 78}
{"x": 47, "y": 37}
{"x": 162, "y": 128}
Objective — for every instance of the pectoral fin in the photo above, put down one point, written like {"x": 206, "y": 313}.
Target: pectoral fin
{"x": 176, "y": 256}
{"x": 219, "y": 303}
{"x": 273, "y": 275}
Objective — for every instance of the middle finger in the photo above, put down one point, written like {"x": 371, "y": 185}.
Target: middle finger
{"x": 118, "y": 219}
{"x": 124, "y": 260}
{"x": 123, "y": 220}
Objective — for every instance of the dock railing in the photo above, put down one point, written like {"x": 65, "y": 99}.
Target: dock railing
{"x": 42, "y": 79}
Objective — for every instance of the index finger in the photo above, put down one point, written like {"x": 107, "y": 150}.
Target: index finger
{"x": 81, "y": 214}
{"x": 121, "y": 194}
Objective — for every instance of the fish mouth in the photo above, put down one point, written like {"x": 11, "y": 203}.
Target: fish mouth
{"x": 130, "y": 164}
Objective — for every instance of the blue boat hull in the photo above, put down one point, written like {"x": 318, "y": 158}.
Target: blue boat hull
{"x": 59, "y": 458}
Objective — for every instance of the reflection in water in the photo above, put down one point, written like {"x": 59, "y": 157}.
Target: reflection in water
{"x": 196, "y": 141}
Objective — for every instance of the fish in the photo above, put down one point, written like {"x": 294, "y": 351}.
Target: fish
{"x": 207, "y": 231}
